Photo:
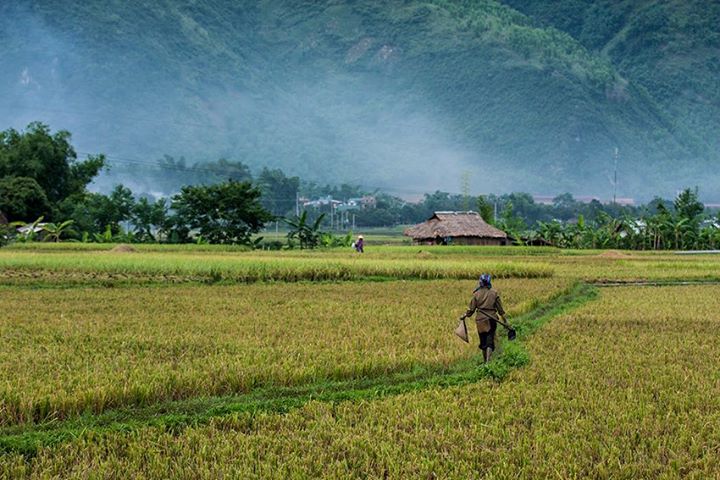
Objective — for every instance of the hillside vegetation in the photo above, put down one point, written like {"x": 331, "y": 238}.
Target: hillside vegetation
{"x": 378, "y": 94}
{"x": 671, "y": 49}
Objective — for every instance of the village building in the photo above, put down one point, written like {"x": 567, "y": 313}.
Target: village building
{"x": 456, "y": 228}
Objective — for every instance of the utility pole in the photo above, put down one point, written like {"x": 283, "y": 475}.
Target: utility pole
{"x": 297, "y": 203}
{"x": 615, "y": 158}
{"x": 332, "y": 216}
{"x": 465, "y": 186}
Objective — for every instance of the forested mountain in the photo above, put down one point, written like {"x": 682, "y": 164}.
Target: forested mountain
{"x": 525, "y": 95}
{"x": 670, "y": 49}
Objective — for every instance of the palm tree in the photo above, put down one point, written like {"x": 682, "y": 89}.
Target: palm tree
{"x": 680, "y": 228}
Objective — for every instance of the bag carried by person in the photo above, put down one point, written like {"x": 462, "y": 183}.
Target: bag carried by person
{"x": 461, "y": 331}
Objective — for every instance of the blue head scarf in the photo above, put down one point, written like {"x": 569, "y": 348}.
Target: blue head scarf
{"x": 484, "y": 282}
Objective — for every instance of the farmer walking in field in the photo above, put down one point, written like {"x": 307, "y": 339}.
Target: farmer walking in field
{"x": 486, "y": 302}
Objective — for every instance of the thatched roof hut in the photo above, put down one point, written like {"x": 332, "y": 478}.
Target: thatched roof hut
{"x": 459, "y": 228}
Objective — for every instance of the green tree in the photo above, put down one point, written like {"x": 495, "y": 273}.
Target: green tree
{"x": 659, "y": 225}
{"x": 6, "y": 234}
{"x": 688, "y": 206}
{"x": 148, "y": 218}
{"x": 513, "y": 225}
{"x": 228, "y": 212}
{"x": 279, "y": 192}
{"x": 551, "y": 232}
{"x": 120, "y": 206}
{"x": 486, "y": 210}
{"x": 48, "y": 158}
{"x": 94, "y": 212}
{"x": 440, "y": 201}
{"x": 223, "y": 169}
{"x": 22, "y": 199}
{"x": 565, "y": 206}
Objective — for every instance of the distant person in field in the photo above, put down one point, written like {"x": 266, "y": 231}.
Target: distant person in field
{"x": 360, "y": 244}
{"x": 486, "y": 302}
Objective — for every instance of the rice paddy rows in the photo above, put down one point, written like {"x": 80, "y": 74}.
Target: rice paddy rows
{"x": 625, "y": 387}
{"x": 63, "y": 265}
{"x": 90, "y": 267}
{"x": 68, "y": 351}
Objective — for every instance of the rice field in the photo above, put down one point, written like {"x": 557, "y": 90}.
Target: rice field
{"x": 97, "y": 349}
{"x": 97, "y": 264}
{"x": 152, "y": 267}
{"x": 179, "y": 371}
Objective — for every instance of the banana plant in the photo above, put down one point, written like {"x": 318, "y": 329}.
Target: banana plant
{"x": 105, "y": 237}
{"x": 308, "y": 234}
{"x": 27, "y": 231}
{"x": 54, "y": 231}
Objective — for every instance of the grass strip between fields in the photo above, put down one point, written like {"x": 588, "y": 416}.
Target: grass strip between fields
{"x": 175, "y": 416}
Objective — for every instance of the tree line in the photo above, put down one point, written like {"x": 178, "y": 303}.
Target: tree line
{"x": 679, "y": 225}
{"x": 222, "y": 202}
{"x": 44, "y": 194}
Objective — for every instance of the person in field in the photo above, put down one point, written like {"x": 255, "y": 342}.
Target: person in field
{"x": 486, "y": 302}
{"x": 360, "y": 244}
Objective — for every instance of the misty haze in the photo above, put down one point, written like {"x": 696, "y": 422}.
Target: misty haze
{"x": 403, "y": 97}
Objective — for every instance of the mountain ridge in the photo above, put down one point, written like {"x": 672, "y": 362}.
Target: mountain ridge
{"x": 355, "y": 92}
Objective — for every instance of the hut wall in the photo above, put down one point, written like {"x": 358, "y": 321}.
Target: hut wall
{"x": 478, "y": 241}
{"x": 462, "y": 241}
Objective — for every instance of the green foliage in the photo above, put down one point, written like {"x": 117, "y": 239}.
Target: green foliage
{"x": 105, "y": 237}
{"x": 22, "y": 198}
{"x": 47, "y": 158}
{"x": 308, "y": 234}
{"x": 512, "y": 224}
{"x": 228, "y": 212}
{"x": 279, "y": 192}
{"x": 486, "y": 209}
{"x": 330, "y": 240}
{"x": 54, "y": 231}
{"x": 7, "y": 234}
{"x": 688, "y": 206}
{"x": 149, "y": 218}
{"x": 655, "y": 228}
{"x": 29, "y": 231}
{"x": 94, "y": 212}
